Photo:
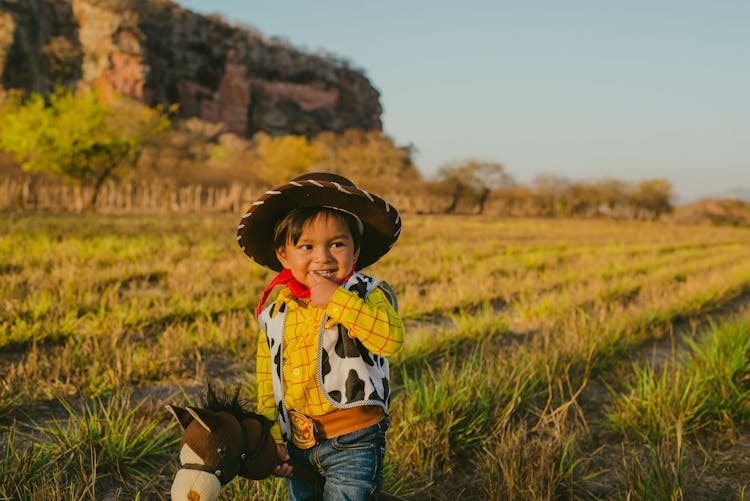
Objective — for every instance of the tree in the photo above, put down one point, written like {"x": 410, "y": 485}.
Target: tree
{"x": 367, "y": 156}
{"x": 284, "y": 157}
{"x": 361, "y": 155}
{"x": 475, "y": 180}
{"x": 549, "y": 191}
{"x": 77, "y": 136}
{"x": 613, "y": 196}
{"x": 652, "y": 197}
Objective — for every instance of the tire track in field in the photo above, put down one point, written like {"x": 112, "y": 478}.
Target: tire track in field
{"x": 602, "y": 444}
{"x": 655, "y": 351}
{"x": 715, "y": 479}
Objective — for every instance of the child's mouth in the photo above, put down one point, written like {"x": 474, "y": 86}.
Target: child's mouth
{"x": 325, "y": 273}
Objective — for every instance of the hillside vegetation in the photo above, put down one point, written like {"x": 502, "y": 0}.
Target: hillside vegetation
{"x": 87, "y": 151}
{"x": 714, "y": 211}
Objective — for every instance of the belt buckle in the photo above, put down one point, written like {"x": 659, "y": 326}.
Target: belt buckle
{"x": 303, "y": 430}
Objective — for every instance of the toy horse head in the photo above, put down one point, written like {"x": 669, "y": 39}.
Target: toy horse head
{"x": 220, "y": 442}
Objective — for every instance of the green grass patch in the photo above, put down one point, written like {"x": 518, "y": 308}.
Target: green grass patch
{"x": 104, "y": 446}
{"x": 708, "y": 388}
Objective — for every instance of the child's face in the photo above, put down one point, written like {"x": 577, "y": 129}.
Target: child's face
{"x": 325, "y": 247}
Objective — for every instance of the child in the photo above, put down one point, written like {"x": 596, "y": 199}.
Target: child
{"x": 322, "y": 366}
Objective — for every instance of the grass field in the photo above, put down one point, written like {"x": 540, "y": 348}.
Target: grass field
{"x": 545, "y": 359}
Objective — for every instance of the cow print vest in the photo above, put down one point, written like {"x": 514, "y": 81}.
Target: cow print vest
{"x": 349, "y": 375}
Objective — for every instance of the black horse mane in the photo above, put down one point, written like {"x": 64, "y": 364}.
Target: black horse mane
{"x": 223, "y": 401}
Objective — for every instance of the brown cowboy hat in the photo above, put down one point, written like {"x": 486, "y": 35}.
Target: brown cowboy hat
{"x": 380, "y": 220}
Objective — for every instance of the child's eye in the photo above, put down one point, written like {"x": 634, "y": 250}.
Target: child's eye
{"x": 305, "y": 247}
{"x": 337, "y": 244}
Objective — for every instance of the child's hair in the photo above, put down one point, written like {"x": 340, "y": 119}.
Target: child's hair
{"x": 289, "y": 229}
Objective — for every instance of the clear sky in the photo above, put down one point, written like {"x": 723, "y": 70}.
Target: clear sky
{"x": 584, "y": 89}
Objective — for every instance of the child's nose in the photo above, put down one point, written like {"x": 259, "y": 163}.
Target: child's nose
{"x": 322, "y": 254}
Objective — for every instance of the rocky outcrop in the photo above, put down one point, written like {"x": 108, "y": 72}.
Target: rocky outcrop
{"x": 158, "y": 52}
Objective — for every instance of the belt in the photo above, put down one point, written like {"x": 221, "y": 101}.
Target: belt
{"x": 309, "y": 431}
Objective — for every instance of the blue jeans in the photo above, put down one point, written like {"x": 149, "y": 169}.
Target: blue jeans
{"x": 351, "y": 466}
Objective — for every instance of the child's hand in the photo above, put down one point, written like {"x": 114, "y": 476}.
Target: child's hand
{"x": 284, "y": 469}
{"x": 321, "y": 289}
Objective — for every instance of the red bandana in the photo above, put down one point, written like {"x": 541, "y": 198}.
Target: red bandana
{"x": 299, "y": 289}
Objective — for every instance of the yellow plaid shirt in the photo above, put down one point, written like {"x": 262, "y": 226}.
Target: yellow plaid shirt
{"x": 373, "y": 321}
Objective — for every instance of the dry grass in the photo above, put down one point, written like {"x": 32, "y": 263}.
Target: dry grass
{"x": 510, "y": 324}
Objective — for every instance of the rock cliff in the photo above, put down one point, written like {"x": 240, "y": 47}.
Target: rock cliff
{"x": 158, "y": 52}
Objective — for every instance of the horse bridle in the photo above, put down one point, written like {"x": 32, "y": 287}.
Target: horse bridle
{"x": 219, "y": 471}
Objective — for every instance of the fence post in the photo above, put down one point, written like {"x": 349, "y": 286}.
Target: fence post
{"x": 5, "y": 201}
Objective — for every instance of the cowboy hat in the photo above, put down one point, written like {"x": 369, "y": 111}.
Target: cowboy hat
{"x": 381, "y": 223}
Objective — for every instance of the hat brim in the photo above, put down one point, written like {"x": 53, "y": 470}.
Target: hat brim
{"x": 381, "y": 221}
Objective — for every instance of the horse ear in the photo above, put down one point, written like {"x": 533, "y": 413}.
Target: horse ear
{"x": 202, "y": 416}
{"x": 182, "y": 415}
